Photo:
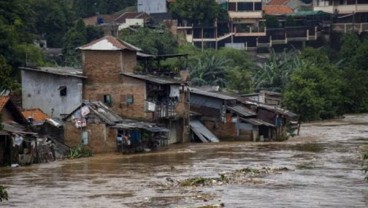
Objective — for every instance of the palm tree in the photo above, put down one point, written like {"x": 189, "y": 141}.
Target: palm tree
{"x": 209, "y": 70}
{"x": 274, "y": 74}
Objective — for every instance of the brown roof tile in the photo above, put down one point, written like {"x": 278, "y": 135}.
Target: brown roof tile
{"x": 277, "y": 10}
{"x": 277, "y": 2}
{"x": 37, "y": 114}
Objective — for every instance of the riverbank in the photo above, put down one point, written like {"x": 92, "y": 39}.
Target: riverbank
{"x": 323, "y": 163}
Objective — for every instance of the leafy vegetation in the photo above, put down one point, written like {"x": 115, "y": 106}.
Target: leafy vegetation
{"x": 204, "y": 12}
{"x": 3, "y": 193}
{"x": 79, "y": 151}
{"x": 152, "y": 41}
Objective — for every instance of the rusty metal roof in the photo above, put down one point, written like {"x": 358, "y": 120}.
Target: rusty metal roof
{"x": 3, "y": 101}
{"x": 36, "y": 114}
{"x": 241, "y": 110}
{"x": 153, "y": 78}
{"x": 109, "y": 43}
{"x": 211, "y": 94}
{"x": 60, "y": 71}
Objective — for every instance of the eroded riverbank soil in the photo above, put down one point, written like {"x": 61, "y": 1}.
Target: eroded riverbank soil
{"x": 320, "y": 168}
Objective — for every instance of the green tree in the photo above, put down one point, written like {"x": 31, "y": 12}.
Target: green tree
{"x": 74, "y": 38}
{"x": 353, "y": 53}
{"x": 87, "y": 8}
{"x": 93, "y": 33}
{"x": 314, "y": 90}
{"x": 152, "y": 41}
{"x": 53, "y": 20}
{"x": 239, "y": 80}
{"x": 275, "y": 73}
{"x": 271, "y": 22}
{"x": 6, "y": 80}
{"x": 209, "y": 70}
{"x": 203, "y": 12}
{"x": 349, "y": 46}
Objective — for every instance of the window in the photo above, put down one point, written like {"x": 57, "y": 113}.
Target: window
{"x": 63, "y": 91}
{"x": 85, "y": 137}
{"x": 245, "y": 6}
{"x": 232, "y": 7}
{"x": 258, "y": 6}
{"x": 127, "y": 99}
{"x": 107, "y": 100}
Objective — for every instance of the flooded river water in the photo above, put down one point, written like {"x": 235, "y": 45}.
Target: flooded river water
{"x": 324, "y": 170}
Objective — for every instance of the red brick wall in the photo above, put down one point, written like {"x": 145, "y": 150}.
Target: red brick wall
{"x": 102, "y": 66}
{"x": 221, "y": 129}
{"x": 137, "y": 88}
{"x": 129, "y": 61}
{"x": 101, "y": 139}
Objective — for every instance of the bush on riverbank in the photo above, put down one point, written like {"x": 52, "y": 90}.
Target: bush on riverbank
{"x": 3, "y": 193}
{"x": 79, "y": 151}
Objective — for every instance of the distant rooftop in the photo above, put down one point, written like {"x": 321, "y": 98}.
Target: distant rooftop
{"x": 211, "y": 94}
{"x": 153, "y": 78}
{"x": 61, "y": 71}
{"x": 109, "y": 43}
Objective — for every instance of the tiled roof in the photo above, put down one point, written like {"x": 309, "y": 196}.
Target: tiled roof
{"x": 37, "y": 114}
{"x": 109, "y": 43}
{"x": 277, "y": 2}
{"x": 277, "y": 10}
{"x": 3, "y": 101}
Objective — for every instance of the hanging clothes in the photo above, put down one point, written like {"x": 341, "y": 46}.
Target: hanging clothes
{"x": 174, "y": 91}
{"x": 84, "y": 111}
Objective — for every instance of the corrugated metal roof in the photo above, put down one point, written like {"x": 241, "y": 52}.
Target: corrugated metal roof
{"x": 101, "y": 110}
{"x": 109, "y": 43}
{"x": 257, "y": 122}
{"x": 37, "y": 114}
{"x": 152, "y": 78}
{"x": 241, "y": 110}
{"x": 276, "y": 109}
{"x": 132, "y": 124}
{"x": 61, "y": 71}
{"x": 202, "y": 132}
{"x": 16, "y": 128}
{"x": 211, "y": 94}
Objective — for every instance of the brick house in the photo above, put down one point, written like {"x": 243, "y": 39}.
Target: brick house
{"x": 110, "y": 66}
{"x": 91, "y": 124}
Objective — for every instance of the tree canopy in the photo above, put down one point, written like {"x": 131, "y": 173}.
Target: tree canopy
{"x": 203, "y": 12}
{"x": 156, "y": 41}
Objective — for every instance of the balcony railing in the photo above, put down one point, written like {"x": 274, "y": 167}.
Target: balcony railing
{"x": 350, "y": 27}
{"x": 164, "y": 111}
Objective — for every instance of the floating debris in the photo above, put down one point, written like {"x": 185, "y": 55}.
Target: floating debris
{"x": 241, "y": 176}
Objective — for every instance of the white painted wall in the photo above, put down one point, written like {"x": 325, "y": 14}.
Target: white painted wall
{"x": 41, "y": 90}
{"x": 152, "y": 6}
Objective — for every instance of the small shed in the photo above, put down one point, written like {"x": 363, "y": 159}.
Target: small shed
{"x": 91, "y": 124}
{"x": 15, "y": 135}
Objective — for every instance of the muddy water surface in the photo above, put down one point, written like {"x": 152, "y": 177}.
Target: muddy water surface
{"x": 324, "y": 171}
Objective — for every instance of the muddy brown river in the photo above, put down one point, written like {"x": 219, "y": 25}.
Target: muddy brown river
{"x": 323, "y": 170}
